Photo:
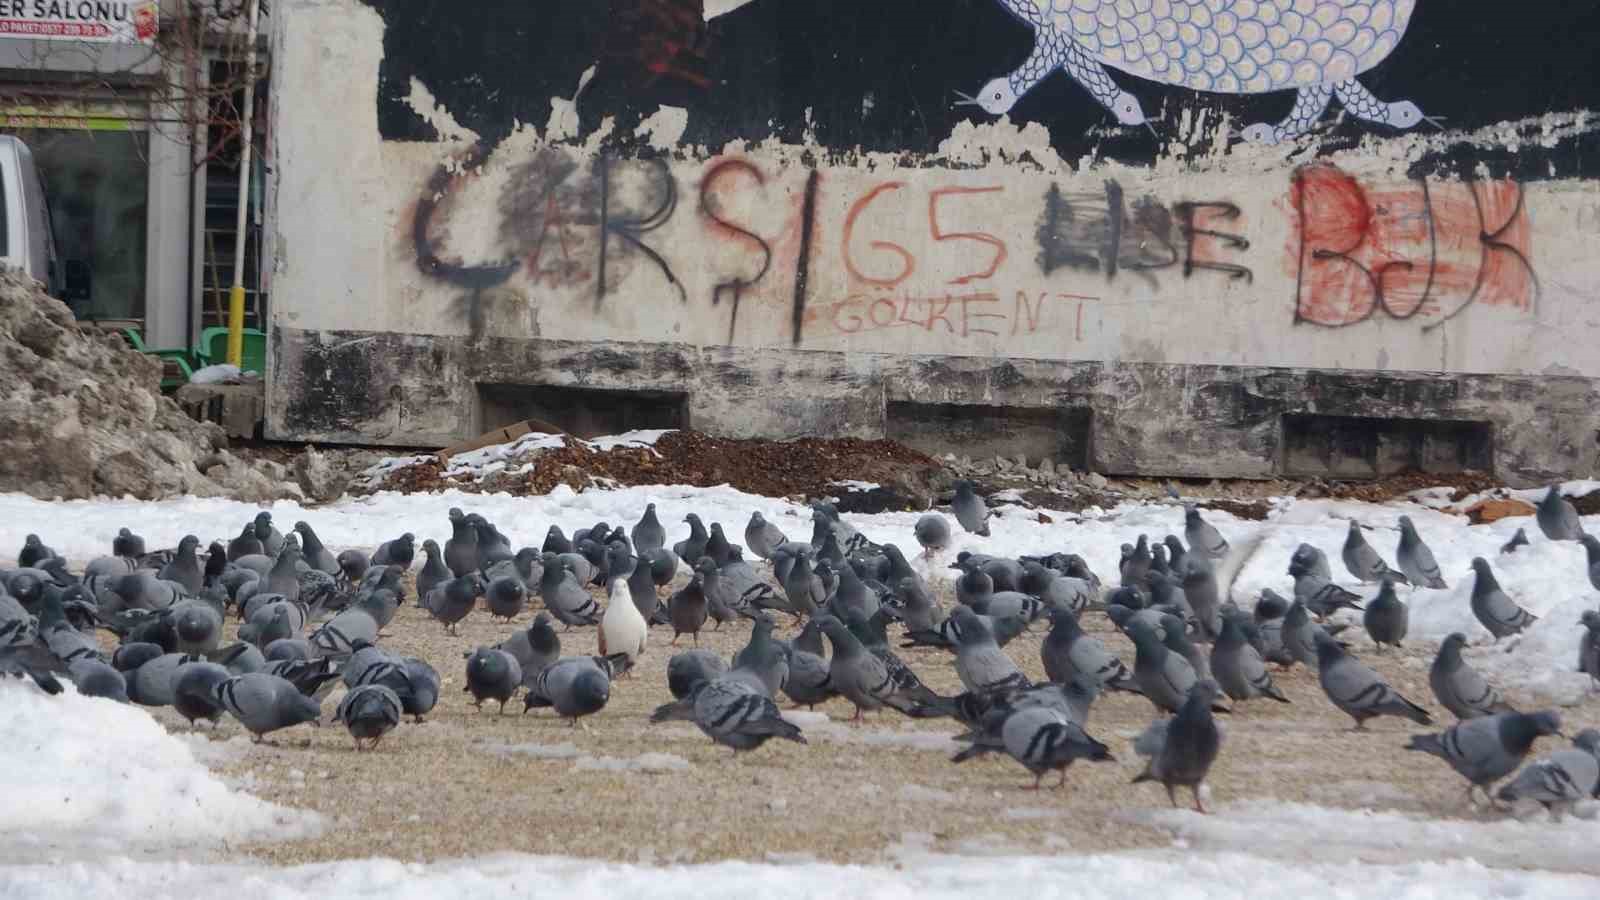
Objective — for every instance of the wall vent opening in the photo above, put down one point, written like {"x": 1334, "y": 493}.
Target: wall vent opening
{"x": 582, "y": 412}
{"x": 1360, "y": 447}
{"x": 1060, "y": 435}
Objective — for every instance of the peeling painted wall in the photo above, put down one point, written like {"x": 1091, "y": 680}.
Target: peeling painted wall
{"x": 484, "y": 188}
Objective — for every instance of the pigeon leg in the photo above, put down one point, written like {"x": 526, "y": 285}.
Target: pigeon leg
{"x": 1172, "y": 797}
{"x": 1198, "y": 806}
{"x": 502, "y": 707}
{"x": 857, "y": 718}
{"x": 1035, "y": 786}
{"x": 1063, "y": 782}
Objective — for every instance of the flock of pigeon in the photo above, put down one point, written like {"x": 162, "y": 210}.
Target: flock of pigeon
{"x": 311, "y": 620}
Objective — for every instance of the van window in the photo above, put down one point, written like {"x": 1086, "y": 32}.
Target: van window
{"x": 97, "y": 199}
{"x": 5, "y": 231}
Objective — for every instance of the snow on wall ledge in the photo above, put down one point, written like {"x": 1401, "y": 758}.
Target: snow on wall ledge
{"x": 992, "y": 236}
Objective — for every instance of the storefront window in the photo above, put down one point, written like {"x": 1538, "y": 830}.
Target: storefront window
{"x": 96, "y": 183}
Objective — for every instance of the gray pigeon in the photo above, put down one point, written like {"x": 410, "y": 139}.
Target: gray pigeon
{"x": 1557, "y": 517}
{"x": 246, "y": 544}
{"x": 735, "y": 713}
{"x": 915, "y": 607}
{"x": 455, "y": 599}
{"x": 687, "y": 609}
{"x": 762, "y": 657}
{"x": 94, "y": 678}
{"x": 1591, "y": 547}
{"x": 763, "y": 537}
{"x": 184, "y": 568}
{"x": 1202, "y": 594}
{"x": 316, "y": 555}
{"x": 155, "y": 682}
{"x": 649, "y": 533}
{"x": 271, "y": 538}
{"x": 505, "y": 597}
{"x": 461, "y": 554}
{"x": 1458, "y": 687}
{"x": 1561, "y": 780}
{"x": 1238, "y": 668}
{"x": 803, "y": 588}
{"x": 1042, "y": 739}
{"x": 1358, "y": 690}
{"x": 575, "y": 687}
{"x": 33, "y": 552}
{"x": 1163, "y": 677}
{"x": 1487, "y": 749}
{"x": 1386, "y": 617}
{"x": 1520, "y": 539}
{"x": 284, "y": 576}
{"x": 492, "y": 675}
{"x": 1322, "y": 597}
{"x": 265, "y": 703}
{"x": 1202, "y": 536}
{"x": 1362, "y": 561}
{"x": 339, "y": 636}
{"x": 1269, "y": 615}
{"x": 969, "y": 508}
{"x": 694, "y": 546}
{"x": 1309, "y": 560}
{"x": 1496, "y": 611}
{"x": 535, "y": 648}
{"x": 808, "y": 683}
{"x": 401, "y": 551}
{"x": 1174, "y": 634}
{"x": 127, "y": 544}
{"x": 1299, "y": 635}
{"x": 1188, "y": 746}
{"x": 353, "y": 565}
{"x": 859, "y": 675}
{"x": 194, "y": 691}
{"x": 1589, "y": 646}
{"x": 564, "y": 595}
{"x": 1068, "y": 652}
{"x": 980, "y": 663}
{"x": 933, "y": 533}
{"x": 687, "y": 670}
{"x": 434, "y": 572}
{"x": 369, "y": 712}
{"x": 1416, "y": 560}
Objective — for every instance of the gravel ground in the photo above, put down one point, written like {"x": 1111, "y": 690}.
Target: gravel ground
{"x": 467, "y": 782}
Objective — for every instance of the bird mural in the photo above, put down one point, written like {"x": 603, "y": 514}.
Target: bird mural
{"x": 1314, "y": 47}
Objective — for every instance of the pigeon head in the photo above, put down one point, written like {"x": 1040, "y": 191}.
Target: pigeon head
{"x": 708, "y": 566}
{"x": 1328, "y": 649}
{"x": 1480, "y": 567}
{"x": 1204, "y": 694}
{"x": 1127, "y": 596}
{"x": 1590, "y": 620}
{"x": 1304, "y": 560}
{"x": 1592, "y": 545}
{"x": 131, "y": 656}
{"x": 1144, "y": 637}
{"x": 1588, "y": 740}
{"x": 263, "y": 525}
{"x": 193, "y": 625}
{"x": 1406, "y": 526}
{"x": 1270, "y": 606}
{"x": 1518, "y": 731}
{"x": 188, "y": 544}
{"x": 456, "y": 514}
{"x": 693, "y": 520}
{"x": 1450, "y": 650}
{"x": 755, "y": 519}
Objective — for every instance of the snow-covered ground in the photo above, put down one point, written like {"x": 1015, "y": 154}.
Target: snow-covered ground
{"x": 1137, "y": 876}
{"x": 82, "y": 777}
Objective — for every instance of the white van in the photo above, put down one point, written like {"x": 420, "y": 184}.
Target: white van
{"x": 25, "y": 239}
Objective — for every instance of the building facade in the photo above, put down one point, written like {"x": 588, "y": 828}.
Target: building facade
{"x": 128, "y": 108}
{"x": 1169, "y": 237}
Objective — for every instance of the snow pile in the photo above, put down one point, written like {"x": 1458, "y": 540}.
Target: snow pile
{"x": 1140, "y": 876}
{"x": 83, "y": 775}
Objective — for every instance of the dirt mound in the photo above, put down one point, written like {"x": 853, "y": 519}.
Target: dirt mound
{"x": 809, "y": 467}
{"x": 81, "y": 415}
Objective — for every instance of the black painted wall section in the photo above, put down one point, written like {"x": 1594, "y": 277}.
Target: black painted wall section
{"x": 882, "y": 74}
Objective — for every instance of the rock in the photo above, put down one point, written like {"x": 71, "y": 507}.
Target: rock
{"x": 1022, "y": 460}
{"x": 317, "y": 477}
{"x": 1096, "y": 481}
{"x": 1001, "y": 464}
{"x": 1047, "y": 468}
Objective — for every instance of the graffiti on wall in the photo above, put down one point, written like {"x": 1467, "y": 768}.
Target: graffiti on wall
{"x": 929, "y": 256}
{"x": 1315, "y": 48}
{"x": 1425, "y": 250}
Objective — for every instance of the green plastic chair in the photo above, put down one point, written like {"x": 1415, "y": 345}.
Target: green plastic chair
{"x": 176, "y": 366}
{"x": 213, "y": 349}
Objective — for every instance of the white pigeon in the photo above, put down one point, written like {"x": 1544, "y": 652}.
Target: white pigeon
{"x": 622, "y": 629}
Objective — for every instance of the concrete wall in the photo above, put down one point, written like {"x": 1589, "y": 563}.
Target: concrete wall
{"x": 1184, "y": 288}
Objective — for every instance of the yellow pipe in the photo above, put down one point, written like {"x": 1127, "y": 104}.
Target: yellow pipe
{"x": 236, "y": 326}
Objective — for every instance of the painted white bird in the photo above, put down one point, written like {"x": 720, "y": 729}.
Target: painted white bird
{"x": 1313, "y": 47}
{"x": 622, "y": 629}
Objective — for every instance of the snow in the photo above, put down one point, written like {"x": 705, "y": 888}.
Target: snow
{"x": 645, "y": 762}
{"x": 1323, "y": 834}
{"x": 82, "y": 776}
{"x": 1136, "y": 876}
